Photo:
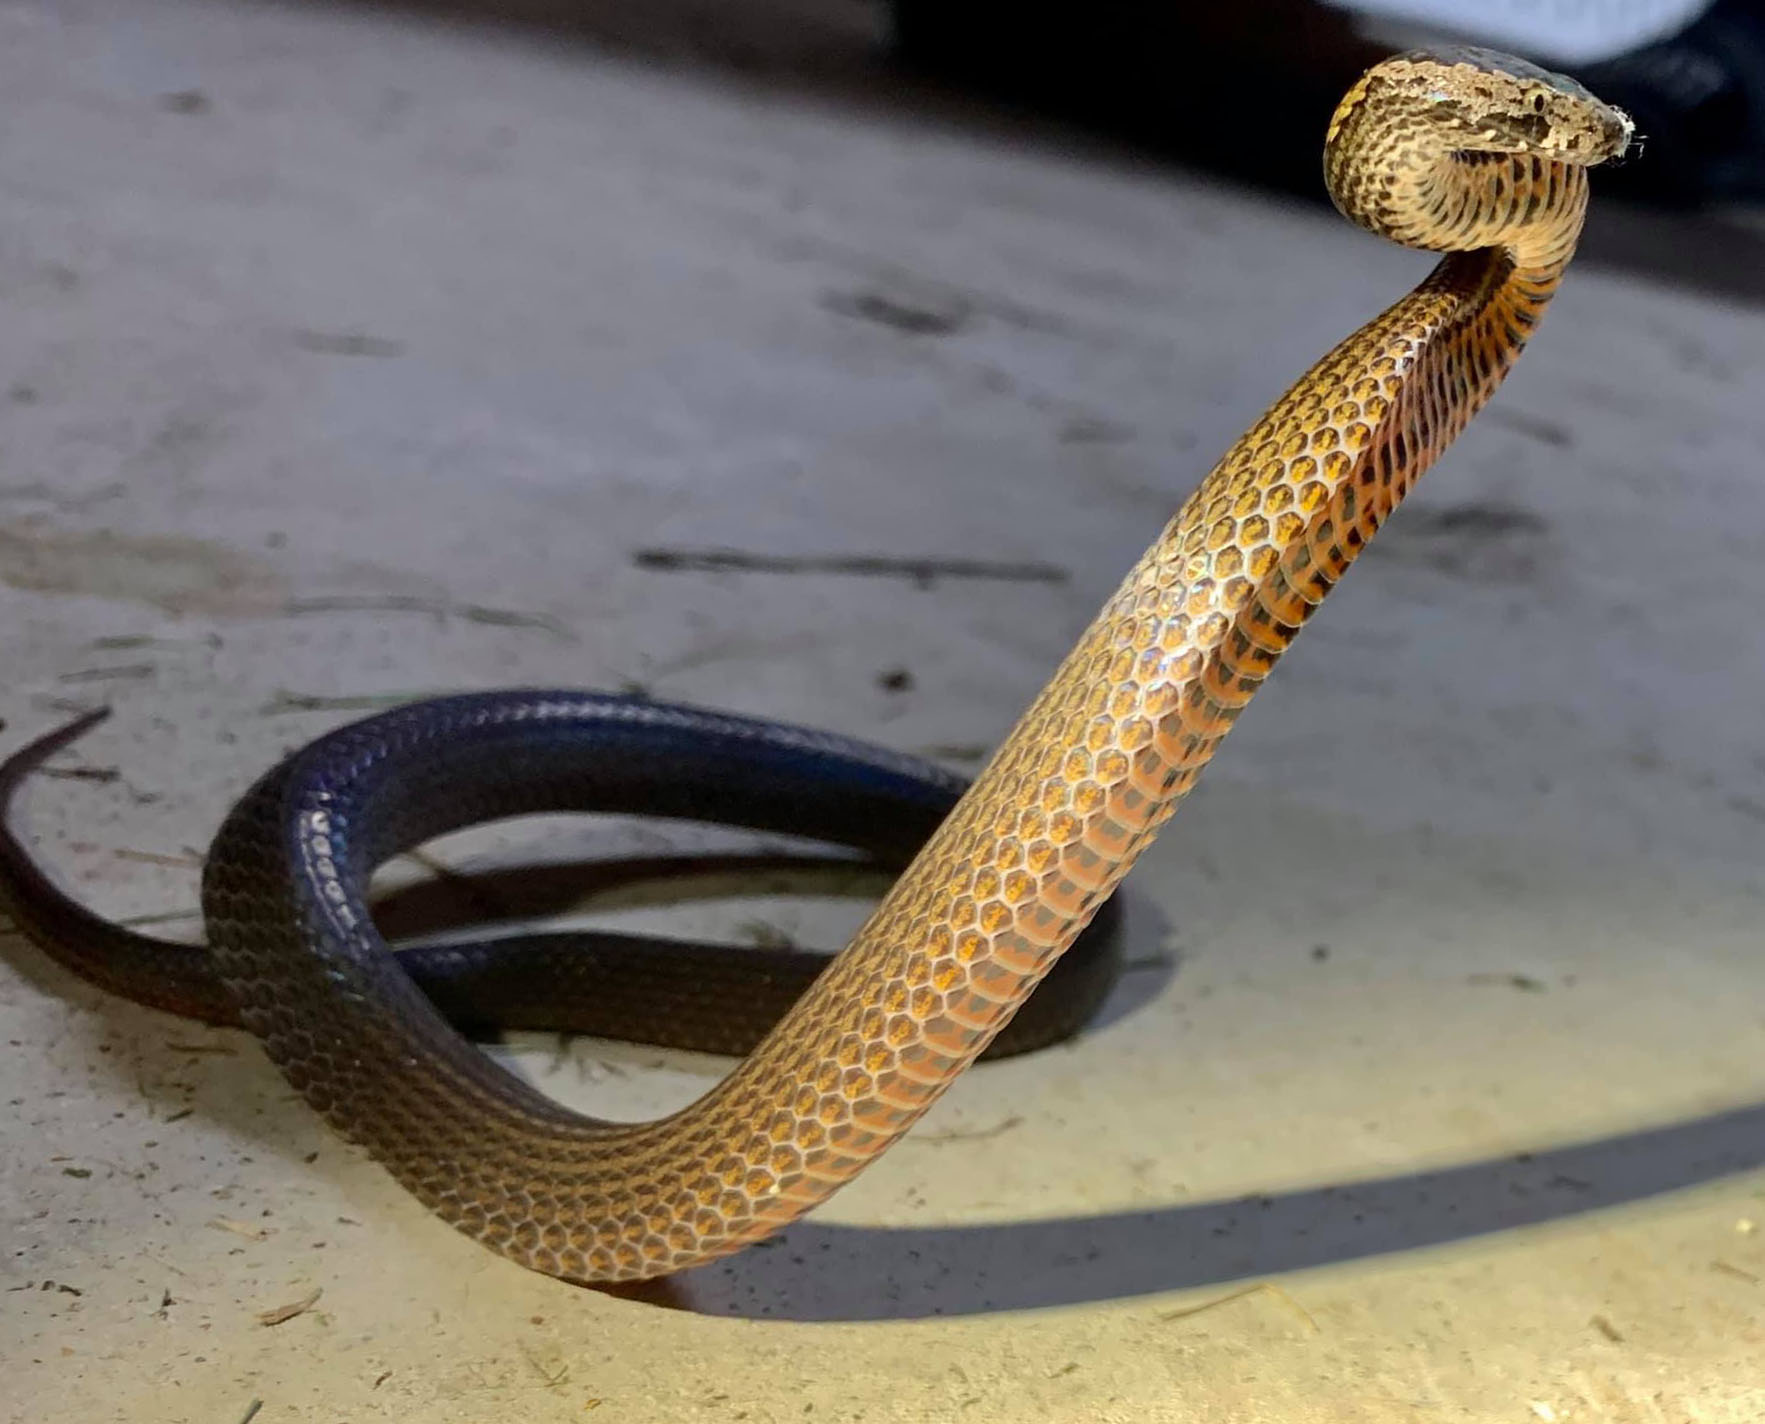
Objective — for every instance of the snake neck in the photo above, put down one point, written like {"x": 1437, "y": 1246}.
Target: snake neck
{"x": 1199, "y": 623}
{"x": 1118, "y": 737}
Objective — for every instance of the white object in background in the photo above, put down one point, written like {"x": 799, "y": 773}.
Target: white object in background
{"x": 1565, "y": 31}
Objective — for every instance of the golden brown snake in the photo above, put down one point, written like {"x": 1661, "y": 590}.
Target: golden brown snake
{"x": 1464, "y": 152}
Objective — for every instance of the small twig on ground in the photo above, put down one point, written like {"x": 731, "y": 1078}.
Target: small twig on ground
{"x": 1261, "y": 1288}
{"x": 287, "y": 1312}
{"x": 240, "y": 1228}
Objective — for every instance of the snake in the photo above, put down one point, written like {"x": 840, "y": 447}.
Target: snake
{"x": 1477, "y": 156}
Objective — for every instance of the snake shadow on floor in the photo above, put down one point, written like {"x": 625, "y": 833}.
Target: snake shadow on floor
{"x": 825, "y": 1272}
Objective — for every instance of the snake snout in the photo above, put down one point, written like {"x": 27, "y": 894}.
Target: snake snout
{"x": 1620, "y": 134}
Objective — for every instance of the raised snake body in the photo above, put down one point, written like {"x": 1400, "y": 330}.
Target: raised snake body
{"x": 1464, "y": 152}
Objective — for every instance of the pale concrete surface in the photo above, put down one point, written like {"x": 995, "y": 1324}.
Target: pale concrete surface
{"x": 362, "y": 367}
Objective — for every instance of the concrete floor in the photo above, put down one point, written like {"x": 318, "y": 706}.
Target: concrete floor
{"x": 352, "y": 353}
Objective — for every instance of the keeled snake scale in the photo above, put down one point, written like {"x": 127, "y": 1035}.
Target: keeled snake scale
{"x": 1464, "y": 152}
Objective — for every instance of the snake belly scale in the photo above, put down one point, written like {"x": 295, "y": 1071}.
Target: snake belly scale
{"x": 1464, "y": 152}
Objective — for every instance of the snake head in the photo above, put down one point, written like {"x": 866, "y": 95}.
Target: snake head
{"x": 1487, "y": 102}
{"x": 1454, "y": 149}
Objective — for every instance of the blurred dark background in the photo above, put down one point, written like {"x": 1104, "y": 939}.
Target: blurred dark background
{"x": 1242, "y": 90}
